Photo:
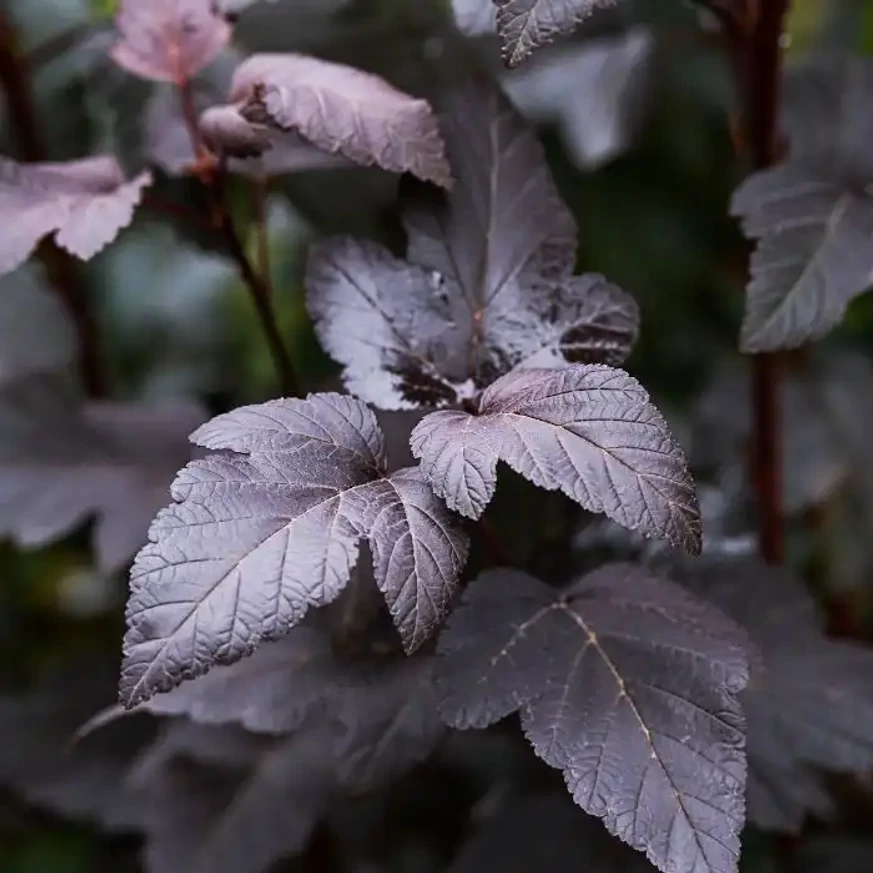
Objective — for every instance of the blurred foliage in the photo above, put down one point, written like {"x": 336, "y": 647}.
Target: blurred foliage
{"x": 178, "y": 323}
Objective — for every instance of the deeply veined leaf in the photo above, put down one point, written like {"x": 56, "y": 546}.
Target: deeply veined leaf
{"x": 809, "y": 702}
{"x": 269, "y": 527}
{"x": 488, "y": 284}
{"x": 337, "y": 108}
{"x": 589, "y": 431}
{"x": 628, "y": 685}
{"x": 169, "y": 40}
{"x": 63, "y": 461}
{"x": 812, "y": 216}
{"x": 525, "y": 25}
{"x": 83, "y": 203}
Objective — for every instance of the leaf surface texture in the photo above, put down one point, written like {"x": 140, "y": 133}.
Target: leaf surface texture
{"x": 488, "y": 282}
{"x": 589, "y": 431}
{"x": 269, "y": 526}
{"x": 626, "y": 684}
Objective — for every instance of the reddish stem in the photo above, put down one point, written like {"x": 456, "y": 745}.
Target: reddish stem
{"x": 762, "y": 93}
{"x": 260, "y": 192}
{"x": 260, "y": 294}
{"x": 259, "y": 286}
{"x": 62, "y": 270}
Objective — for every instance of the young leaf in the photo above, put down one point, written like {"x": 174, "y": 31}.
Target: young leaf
{"x": 62, "y": 461}
{"x": 809, "y": 702}
{"x": 83, "y": 203}
{"x": 589, "y": 431}
{"x": 375, "y": 722}
{"x": 35, "y": 333}
{"x": 525, "y": 25}
{"x": 168, "y": 142}
{"x": 489, "y": 284}
{"x": 269, "y": 528}
{"x": 168, "y": 40}
{"x": 338, "y": 109}
{"x": 628, "y": 685}
{"x": 812, "y": 216}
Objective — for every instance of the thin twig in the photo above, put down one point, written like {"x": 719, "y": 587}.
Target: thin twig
{"x": 260, "y": 203}
{"x": 753, "y": 33}
{"x": 257, "y": 283}
{"x": 63, "y": 272}
{"x": 260, "y": 294}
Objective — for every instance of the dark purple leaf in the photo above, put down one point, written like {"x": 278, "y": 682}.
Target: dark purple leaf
{"x": 628, "y": 685}
{"x": 343, "y": 111}
{"x": 386, "y": 320}
{"x": 62, "y": 462}
{"x": 271, "y": 812}
{"x": 258, "y": 800}
{"x": 270, "y": 692}
{"x": 489, "y": 281}
{"x": 218, "y": 799}
{"x": 525, "y": 25}
{"x": 810, "y": 699}
{"x": 384, "y": 707}
{"x": 812, "y": 216}
{"x": 270, "y": 527}
{"x": 814, "y": 255}
{"x": 168, "y": 40}
{"x": 83, "y": 203}
{"x": 589, "y": 431}
{"x": 389, "y": 721}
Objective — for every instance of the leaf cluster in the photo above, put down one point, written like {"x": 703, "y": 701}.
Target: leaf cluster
{"x": 314, "y": 622}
